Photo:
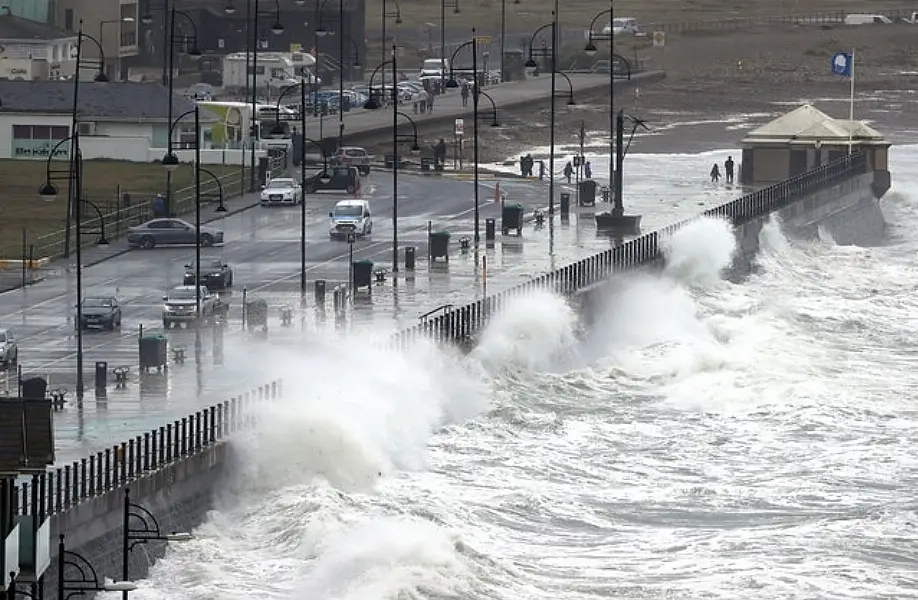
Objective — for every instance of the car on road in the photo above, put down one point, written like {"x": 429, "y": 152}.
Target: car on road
{"x": 166, "y": 232}
{"x": 341, "y": 178}
{"x": 9, "y": 349}
{"x": 352, "y": 156}
{"x": 215, "y": 274}
{"x": 621, "y": 26}
{"x": 281, "y": 190}
{"x": 100, "y": 311}
{"x": 350, "y": 216}
{"x": 179, "y": 306}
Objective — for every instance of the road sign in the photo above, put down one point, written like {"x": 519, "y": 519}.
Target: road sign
{"x": 460, "y": 127}
{"x": 483, "y": 39}
{"x": 351, "y": 237}
{"x": 659, "y": 39}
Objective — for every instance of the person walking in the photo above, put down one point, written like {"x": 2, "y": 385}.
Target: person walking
{"x": 465, "y": 94}
{"x": 568, "y": 171}
{"x": 715, "y": 173}
{"x": 728, "y": 169}
{"x": 588, "y": 170}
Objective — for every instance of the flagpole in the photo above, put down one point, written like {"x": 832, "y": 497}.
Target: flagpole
{"x": 851, "y": 108}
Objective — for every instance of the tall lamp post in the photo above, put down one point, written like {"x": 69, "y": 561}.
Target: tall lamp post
{"x": 253, "y": 11}
{"x": 590, "y": 50}
{"x": 503, "y": 34}
{"x": 148, "y": 530}
{"x": 397, "y": 15}
{"x": 170, "y": 75}
{"x": 455, "y": 5}
{"x": 100, "y": 77}
{"x": 396, "y": 140}
{"x": 278, "y": 131}
{"x": 321, "y": 30}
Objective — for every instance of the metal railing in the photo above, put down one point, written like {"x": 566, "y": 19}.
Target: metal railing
{"x": 460, "y": 324}
{"x": 820, "y": 18}
{"x": 117, "y": 221}
{"x": 65, "y": 487}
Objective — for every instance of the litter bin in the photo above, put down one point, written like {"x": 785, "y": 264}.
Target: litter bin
{"x": 34, "y": 388}
{"x": 587, "y": 192}
{"x": 346, "y": 104}
{"x": 439, "y": 245}
{"x": 152, "y": 352}
{"x": 362, "y": 273}
{"x": 565, "y": 204}
{"x": 490, "y": 230}
{"x": 511, "y": 217}
{"x": 319, "y": 292}
{"x": 101, "y": 374}
{"x": 410, "y": 258}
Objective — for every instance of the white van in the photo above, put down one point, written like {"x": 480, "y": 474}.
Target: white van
{"x": 434, "y": 67}
{"x": 865, "y": 19}
{"x": 350, "y": 216}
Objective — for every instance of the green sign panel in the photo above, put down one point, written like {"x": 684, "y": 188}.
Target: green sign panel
{"x": 39, "y": 149}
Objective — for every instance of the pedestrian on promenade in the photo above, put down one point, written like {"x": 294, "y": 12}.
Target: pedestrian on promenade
{"x": 728, "y": 169}
{"x": 541, "y": 170}
{"x": 465, "y": 94}
{"x": 715, "y": 173}
{"x": 159, "y": 206}
{"x": 430, "y": 101}
{"x": 568, "y": 171}
{"x": 588, "y": 170}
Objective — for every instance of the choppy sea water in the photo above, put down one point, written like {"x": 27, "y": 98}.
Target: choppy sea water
{"x": 706, "y": 440}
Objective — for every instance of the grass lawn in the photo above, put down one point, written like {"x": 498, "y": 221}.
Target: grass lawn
{"x": 103, "y": 180}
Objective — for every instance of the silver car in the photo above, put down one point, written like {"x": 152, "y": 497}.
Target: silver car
{"x": 165, "y": 232}
{"x": 9, "y": 350}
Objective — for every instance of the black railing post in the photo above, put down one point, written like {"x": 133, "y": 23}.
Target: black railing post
{"x": 130, "y": 459}
{"x": 169, "y": 443}
{"x": 184, "y": 447}
{"x": 108, "y": 469}
{"x": 197, "y": 431}
{"x": 92, "y": 475}
{"x": 146, "y": 450}
{"x": 161, "y": 448}
{"x": 59, "y": 491}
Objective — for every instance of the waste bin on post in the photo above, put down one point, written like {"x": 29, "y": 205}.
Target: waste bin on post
{"x": 362, "y": 273}
{"x": 346, "y": 104}
{"x": 511, "y": 217}
{"x": 153, "y": 352}
{"x": 410, "y": 258}
{"x": 34, "y": 388}
{"x": 565, "y": 204}
{"x": 586, "y": 193}
{"x": 101, "y": 376}
{"x": 319, "y": 292}
{"x": 490, "y": 230}
{"x": 439, "y": 245}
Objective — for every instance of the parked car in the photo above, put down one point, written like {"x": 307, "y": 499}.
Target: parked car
{"x": 621, "y": 26}
{"x": 282, "y": 190}
{"x": 9, "y": 349}
{"x": 100, "y": 311}
{"x": 179, "y": 305}
{"x": 164, "y": 232}
{"x": 215, "y": 274}
{"x": 353, "y": 156}
{"x": 342, "y": 178}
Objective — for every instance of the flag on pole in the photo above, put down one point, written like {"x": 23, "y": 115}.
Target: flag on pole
{"x": 843, "y": 64}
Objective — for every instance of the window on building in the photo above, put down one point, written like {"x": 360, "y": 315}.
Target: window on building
{"x": 40, "y": 132}
{"x": 68, "y": 19}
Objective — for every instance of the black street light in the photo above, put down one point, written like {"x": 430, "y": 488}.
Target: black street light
{"x": 503, "y": 34}
{"x": 590, "y": 50}
{"x": 88, "y": 577}
{"x": 386, "y": 14}
{"x": 455, "y": 6}
{"x": 99, "y": 77}
{"x": 221, "y": 208}
{"x": 324, "y": 177}
{"x": 252, "y": 13}
{"x": 321, "y": 30}
{"x": 494, "y": 121}
{"x": 150, "y": 531}
{"x": 372, "y": 104}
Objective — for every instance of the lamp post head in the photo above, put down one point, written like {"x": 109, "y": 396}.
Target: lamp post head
{"x": 48, "y": 191}
{"x": 179, "y": 537}
{"x": 277, "y": 28}
{"x": 146, "y": 18}
{"x": 277, "y": 132}
{"x": 356, "y": 64}
{"x": 221, "y": 208}
{"x": 229, "y": 9}
{"x": 194, "y": 50}
{"x": 590, "y": 48}
{"x": 452, "y": 83}
{"x": 100, "y": 77}
{"x": 119, "y": 586}
{"x": 324, "y": 177}
{"x": 415, "y": 147}
{"x": 398, "y": 18}
{"x": 371, "y": 103}
{"x": 170, "y": 161}
{"x": 495, "y": 123}
{"x": 570, "y": 101}
{"x": 531, "y": 64}
{"x": 103, "y": 241}
{"x": 456, "y": 8}
{"x": 321, "y": 31}
{"x": 300, "y": 2}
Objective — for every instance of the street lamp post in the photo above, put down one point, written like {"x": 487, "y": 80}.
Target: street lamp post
{"x": 397, "y": 15}
{"x": 133, "y": 536}
{"x": 253, "y": 11}
{"x": 503, "y": 34}
{"x": 321, "y": 30}
{"x": 278, "y": 131}
{"x": 455, "y": 6}
{"x": 221, "y": 208}
{"x": 494, "y": 121}
{"x": 89, "y": 579}
{"x": 590, "y": 50}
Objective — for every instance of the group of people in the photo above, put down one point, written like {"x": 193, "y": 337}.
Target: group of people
{"x": 527, "y": 163}
{"x": 728, "y": 171}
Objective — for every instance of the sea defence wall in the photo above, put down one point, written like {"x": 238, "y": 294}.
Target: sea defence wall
{"x": 171, "y": 472}
{"x": 839, "y": 196}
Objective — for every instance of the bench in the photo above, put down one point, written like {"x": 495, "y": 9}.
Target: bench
{"x": 178, "y": 354}
{"x": 121, "y": 375}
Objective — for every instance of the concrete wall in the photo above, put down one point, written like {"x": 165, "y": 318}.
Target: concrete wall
{"x": 179, "y": 496}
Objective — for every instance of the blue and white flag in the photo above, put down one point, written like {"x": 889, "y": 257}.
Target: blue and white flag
{"x": 842, "y": 64}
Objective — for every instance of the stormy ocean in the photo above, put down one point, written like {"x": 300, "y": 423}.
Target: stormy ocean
{"x": 705, "y": 440}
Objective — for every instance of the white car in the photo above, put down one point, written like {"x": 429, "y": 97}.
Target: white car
{"x": 281, "y": 190}
{"x": 621, "y": 26}
{"x": 350, "y": 216}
